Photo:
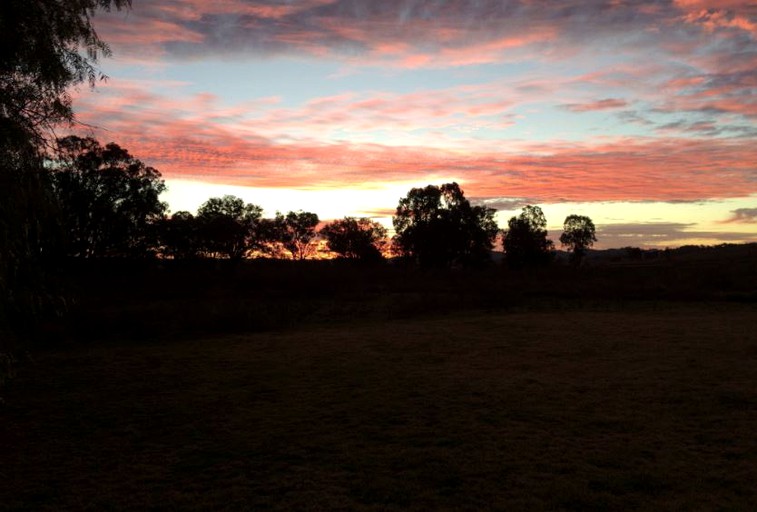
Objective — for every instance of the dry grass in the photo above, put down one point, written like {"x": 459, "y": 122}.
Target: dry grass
{"x": 649, "y": 409}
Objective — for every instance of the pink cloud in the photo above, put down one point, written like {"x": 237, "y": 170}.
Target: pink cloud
{"x": 396, "y": 32}
{"x": 178, "y": 138}
{"x": 605, "y": 104}
{"x": 712, "y": 20}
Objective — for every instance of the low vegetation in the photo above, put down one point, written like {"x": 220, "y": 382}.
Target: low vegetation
{"x": 179, "y": 299}
{"x": 642, "y": 407}
{"x": 283, "y": 385}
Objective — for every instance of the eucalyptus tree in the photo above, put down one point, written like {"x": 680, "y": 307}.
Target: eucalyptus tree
{"x": 357, "y": 239}
{"x": 46, "y": 47}
{"x": 525, "y": 241}
{"x": 437, "y": 225}
{"x": 227, "y": 226}
{"x": 578, "y": 235}
{"x": 295, "y": 232}
{"x": 109, "y": 199}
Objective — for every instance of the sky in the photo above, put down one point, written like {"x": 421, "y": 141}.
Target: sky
{"x": 640, "y": 114}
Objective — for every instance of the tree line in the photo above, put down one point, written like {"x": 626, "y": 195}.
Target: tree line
{"x": 109, "y": 203}
{"x": 74, "y": 197}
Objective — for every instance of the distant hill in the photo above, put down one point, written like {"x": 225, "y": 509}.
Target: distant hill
{"x": 686, "y": 253}
{"x": 636, "y": 255}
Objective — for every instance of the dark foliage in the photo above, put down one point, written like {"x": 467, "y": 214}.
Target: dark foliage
{"x": 46, "y": 46}
{"x": 31, "y": 243}
{"x": 109, "y": 199}
{"x": 360, "y": 239}
{"x": 179, "y": 236}
{"x": 525, "y": 241}
{"x": 227, "y": 227}
{"x": 578, "y": 235}
{"x": 156, "y": 299}
{"x": 293, "y": 233}
{"x": 437, "y": 226}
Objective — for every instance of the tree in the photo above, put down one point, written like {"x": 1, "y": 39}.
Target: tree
{"x": 46, "y": 46}
{"x": 31, "y": 250}
{"x": 179, "y": 236}
{"x": 227, "y": 226}
{"x": 352, "y": 238}
{"x": 295, "y": 232}
{"x": 109, "y": 199}
{"x": 525, "y": 241}
{"x": 578, "y": 235}
{"x": 438, "y": 226}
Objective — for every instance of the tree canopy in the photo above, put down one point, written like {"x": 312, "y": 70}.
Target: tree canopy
{"x": 179, "y": 236}
{"x": 360, "y": 239}
{"x": 525, "y": 240}
{"x": 578, "y": 235}
{"x": 46, "y": 46}
{"x": 294, "y": 231}
{"x": 438, "y": 226}
{"x": 227, "y": 226}
{"x": 109, "y": 199}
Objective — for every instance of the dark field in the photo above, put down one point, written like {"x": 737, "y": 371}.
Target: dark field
{"x": 377, "y": 399}
{"x": 581, "y": 410}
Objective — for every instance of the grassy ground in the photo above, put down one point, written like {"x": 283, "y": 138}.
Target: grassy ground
{"x": 647, "y": 407}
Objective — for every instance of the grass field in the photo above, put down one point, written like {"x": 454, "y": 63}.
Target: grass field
{"x": 648, "y": 406}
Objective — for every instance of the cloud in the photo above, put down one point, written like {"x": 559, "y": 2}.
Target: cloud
{"x": 710, "y": 128}
{"x": 664, "y": 234}
{"x": 503, "y": 203}
{"x": 743, "y": 215}
{"x": 615, "y": 170}
{"x": 704, "y": 52}
{"x": 405, "y": 118}
{"x": 737, "y": 15}
{"x": 605, "y": 104}
{"x": 359, "y": 137}
{"x": 409, "y": 32}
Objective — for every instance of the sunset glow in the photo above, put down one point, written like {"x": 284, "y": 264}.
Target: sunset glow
{"x": 641, "y": 115}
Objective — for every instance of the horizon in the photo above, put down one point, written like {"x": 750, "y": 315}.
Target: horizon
{"x": 640, "y": 116}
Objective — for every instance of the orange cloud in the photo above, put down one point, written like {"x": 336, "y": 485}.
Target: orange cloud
{"x": 615, "y": 170}
{"x": 262, "y": 143}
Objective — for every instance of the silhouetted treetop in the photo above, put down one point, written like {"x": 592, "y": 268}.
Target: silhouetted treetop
{"x": 46, "y": 46}
{"x": 227, "y": 226}
{"x": 438, "y": 226}
{"x": 179, "y": 236}
{"x": 109, "y": 199}
{"x": 525, "y": 240}
{"x": 578, "y": 235}
{"x": 353, "y": 238}
{"x": 295, "y": 232}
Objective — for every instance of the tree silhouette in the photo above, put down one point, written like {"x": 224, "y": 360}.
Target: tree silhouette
{"x": 295, "y": 232}
{"x": 179, "y": 236}
{"x": 578, "y": 235}
{"x": 109, "y": 199}
{"x": 353, "y": 238}
{"x": 227, "y": 226}
{"x": 46, "y": 46}
{"x": 525, "y": 241}
{"x": 438, "y": 226}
